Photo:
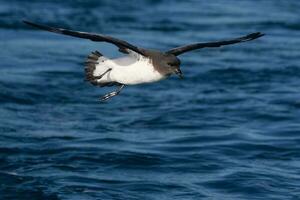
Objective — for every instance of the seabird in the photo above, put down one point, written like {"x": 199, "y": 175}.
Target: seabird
{"x": 139, "y": 65}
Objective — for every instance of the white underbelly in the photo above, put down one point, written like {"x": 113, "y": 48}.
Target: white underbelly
{"x": 129, "y": 71}
{"x": 135, "y": 74}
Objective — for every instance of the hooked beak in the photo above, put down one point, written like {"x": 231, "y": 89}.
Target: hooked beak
{"x": 179, "y": 73}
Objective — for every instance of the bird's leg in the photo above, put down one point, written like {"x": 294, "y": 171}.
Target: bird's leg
{"x": 99, "y": 77}
{"x": 112, "y": 94}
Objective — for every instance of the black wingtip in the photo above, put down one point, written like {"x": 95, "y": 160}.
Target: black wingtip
{"x": 255, "y": 35}
{"x": 30, "y": 23}
{"x": 34, "y": 24}
{"x": 43, "y": 27}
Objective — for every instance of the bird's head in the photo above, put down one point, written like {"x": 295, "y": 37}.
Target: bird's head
{"x": 172, "y": 63}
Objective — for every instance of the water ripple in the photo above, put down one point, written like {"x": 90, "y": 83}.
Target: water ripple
{"x": 229, "y": 130}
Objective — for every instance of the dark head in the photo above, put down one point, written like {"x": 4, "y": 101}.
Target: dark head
{"x": 165, "y": 63}
{"x": 172, "y": 64}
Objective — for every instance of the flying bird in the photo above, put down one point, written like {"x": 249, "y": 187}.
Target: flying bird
{"x": 139, "y": 65}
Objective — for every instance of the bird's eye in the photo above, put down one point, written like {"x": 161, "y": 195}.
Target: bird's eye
{"x": 171, "y": 64}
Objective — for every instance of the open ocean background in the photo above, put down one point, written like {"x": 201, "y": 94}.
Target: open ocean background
{"x": 229, "y": 130}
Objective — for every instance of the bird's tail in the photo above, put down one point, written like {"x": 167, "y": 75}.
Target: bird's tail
{"x": 90, "y": 66}
{"x": 96, "y": 70}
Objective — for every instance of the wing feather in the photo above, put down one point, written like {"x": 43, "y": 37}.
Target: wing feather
{"x": 121, "y": 44}
{"x": 182, "y": 49}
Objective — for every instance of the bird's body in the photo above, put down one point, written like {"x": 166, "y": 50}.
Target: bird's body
{"x": 127, "y": 70}
{"x": 139, "y": 65}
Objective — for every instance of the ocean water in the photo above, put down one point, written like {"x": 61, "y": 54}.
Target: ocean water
{"x": 229, "y": 130}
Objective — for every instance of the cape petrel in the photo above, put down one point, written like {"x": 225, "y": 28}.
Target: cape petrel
{"x": 140, "y": 65}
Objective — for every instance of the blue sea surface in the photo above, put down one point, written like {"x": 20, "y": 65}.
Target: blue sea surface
{"x": 229, "y": 130}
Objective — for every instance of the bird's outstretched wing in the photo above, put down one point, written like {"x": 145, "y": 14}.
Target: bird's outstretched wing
{"x": 182, "y": 49}
{"x": 123, "y": 45}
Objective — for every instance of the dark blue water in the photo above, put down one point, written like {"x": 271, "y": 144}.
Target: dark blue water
{"x": 229, "y": 130}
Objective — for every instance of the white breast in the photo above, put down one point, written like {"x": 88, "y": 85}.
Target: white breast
{"x": 128, "y": 70}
